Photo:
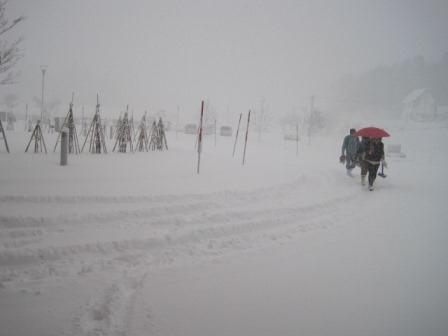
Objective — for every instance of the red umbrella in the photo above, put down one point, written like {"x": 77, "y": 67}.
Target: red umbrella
{"x": 372, "y": 132}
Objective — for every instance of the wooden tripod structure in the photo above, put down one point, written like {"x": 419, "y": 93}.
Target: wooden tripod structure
{"x": 97, "y": 140}
{"x": 2, "y": 131}
{"x": 38, "y": 138}
{"x": 131, "y": 125}
{"x": 116, "y": 127}
{"x": 69, "y": 122}
{"x": 83, "y": 124}
{"x": 124, "y": 136}
{"x": 142, "y": 136}
{"x": 163, "y": 142}
{"x": 158, "y": 138}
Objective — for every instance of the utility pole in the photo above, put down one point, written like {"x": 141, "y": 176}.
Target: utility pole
{"x": 312, "y": 104}
{"x": 297, "y": 139}
{"x": 43, "y": 68}
{"x": 310, "y": 118}
{"x": 177, "y": 121}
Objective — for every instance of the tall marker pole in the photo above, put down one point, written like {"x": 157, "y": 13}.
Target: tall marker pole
{"x": 215, "y": 131}
{"x": 237, "y": 131}
{"x": 245, "y": 141}
{"x": 297, "y": 139}
{"x": 177, "y": 121}
{"x": 200, "y": 136}
{"x": 43, "y": 68}
{"x": 26, "y": 117}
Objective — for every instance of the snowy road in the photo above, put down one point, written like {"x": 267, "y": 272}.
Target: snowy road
{"x": 307, "y": 251}
{"x": 119, "y": 246}
{"x": 361, "y": 276}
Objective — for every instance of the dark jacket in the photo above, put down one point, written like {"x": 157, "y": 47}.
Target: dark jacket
{"x": 374, "y": 152}
{"x": 363, "y": 146}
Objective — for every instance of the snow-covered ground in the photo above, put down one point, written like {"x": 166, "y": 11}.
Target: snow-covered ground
{"x": 139, "y": 244}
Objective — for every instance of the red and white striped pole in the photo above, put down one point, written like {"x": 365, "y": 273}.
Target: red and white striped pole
{"x": 245, "y": 141}
{"x": 200, "y": 136}
{"x": 237, "y": 131}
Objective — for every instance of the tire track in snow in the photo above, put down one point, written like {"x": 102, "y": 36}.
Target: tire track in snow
{"x": 79, "y": 199}
{"x": 164, "y": 218}
{"x": 202, "y": 222}
{"x": 222, "y": 237}
{"x": 150, "y": 208}
{"x": 168, "y": 232}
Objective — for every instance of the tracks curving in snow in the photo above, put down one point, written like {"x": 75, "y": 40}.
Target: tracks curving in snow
{"x": 90, "y": 236}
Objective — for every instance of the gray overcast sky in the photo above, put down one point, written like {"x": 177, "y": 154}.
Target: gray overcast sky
{"x": 155, "y": 54}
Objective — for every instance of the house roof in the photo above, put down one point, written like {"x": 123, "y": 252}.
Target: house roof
{"x": 414, "y": 95}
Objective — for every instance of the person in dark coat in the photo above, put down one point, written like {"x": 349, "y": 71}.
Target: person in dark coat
{"x": 363, "y": 147}
{"x": 373, "y": 156}
{"x": 349, "y": 151}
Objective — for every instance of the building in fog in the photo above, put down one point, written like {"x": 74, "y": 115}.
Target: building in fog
{"x": 419, "y": 105}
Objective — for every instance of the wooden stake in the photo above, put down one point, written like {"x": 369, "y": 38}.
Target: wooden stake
{"x": 4, "y": 136}
{"x": 237, "y": 131}
{"x": 245, "y": 141}
{"x": 200, "y": 136}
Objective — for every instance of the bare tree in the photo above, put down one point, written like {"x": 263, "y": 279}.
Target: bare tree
{"x": 210, "y": 113}
{"x": 315, "y": 122}
{"x": 290, "y": 119}
{"x": 10, "y": 53}
{"x": 262, "y": 118}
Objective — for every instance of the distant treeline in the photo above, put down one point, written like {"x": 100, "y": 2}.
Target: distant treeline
{"x": 386, "y": 86}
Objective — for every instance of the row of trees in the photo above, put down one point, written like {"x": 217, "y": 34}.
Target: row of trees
{"x": 385, "y": 87}
{"x": 10, "y": 52}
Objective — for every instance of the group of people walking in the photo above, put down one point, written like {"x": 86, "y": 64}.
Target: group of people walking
{"x": 368, "y": 153}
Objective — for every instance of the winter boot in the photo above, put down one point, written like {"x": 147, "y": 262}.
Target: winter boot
{"x": 371, "y": 187}
{"x": 363, "y": 180}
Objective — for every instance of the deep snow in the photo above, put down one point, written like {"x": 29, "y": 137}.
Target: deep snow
{"x": 139, "y": 244}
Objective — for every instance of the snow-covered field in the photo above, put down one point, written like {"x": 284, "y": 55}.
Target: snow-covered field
{"x": 139, "y": 244}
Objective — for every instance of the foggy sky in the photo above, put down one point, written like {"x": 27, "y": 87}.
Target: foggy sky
{"x": 160, "y": 54}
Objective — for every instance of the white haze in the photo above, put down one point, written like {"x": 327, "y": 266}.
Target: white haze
{"x": 170, "y": 54}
